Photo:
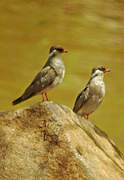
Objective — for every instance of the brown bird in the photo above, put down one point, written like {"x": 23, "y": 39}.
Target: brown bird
{"x": 92, "y": 95}
{"x": 49, "y": 77}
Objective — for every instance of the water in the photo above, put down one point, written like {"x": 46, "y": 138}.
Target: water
{"x": 92, "y": 31}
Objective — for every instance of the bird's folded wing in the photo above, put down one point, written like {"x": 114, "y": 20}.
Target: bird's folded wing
{"x": 42, "y": 81}
{"x": 81, "y": 99}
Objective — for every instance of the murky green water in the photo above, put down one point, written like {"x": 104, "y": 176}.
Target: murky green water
{"x": 92, "y": 31}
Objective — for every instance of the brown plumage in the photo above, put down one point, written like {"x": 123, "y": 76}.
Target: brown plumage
{"x": 51, "y": 75}
{"x": 92, "y": 95}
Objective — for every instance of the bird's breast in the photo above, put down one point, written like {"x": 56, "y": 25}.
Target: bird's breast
{"x": 97, "y": 88}
{"x": 59, "y": 67}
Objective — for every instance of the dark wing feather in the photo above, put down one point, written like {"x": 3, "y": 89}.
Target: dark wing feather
{"x": 42, "y": 80}
{"x": 81, "y": 99}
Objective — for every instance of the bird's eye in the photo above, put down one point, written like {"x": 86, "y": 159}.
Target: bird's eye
{"x": 101, "y": 68}
{"x": 59, "y": 49}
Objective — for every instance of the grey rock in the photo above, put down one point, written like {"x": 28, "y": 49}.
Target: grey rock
{"x": 48, "y": 141}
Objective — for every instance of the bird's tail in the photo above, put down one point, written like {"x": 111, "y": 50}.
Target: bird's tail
{"x": 20, "y": 99}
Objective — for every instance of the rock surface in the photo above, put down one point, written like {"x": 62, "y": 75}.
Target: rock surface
{"x": 48, "y": 141}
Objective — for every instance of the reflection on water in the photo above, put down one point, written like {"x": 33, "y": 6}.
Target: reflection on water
{"x": 92, "y": 31}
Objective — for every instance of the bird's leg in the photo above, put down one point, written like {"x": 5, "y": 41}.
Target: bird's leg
{"x": 42, "y": 97}
{"x": 85, "y": 116}
{"x": 46, "y": 96}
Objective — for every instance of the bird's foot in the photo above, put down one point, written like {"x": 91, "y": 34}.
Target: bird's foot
{"x": 42, "y": 97}
{"x": 85, "y": 116}
{"x": 46, "y": 97}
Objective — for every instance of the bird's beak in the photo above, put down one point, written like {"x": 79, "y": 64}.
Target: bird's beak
{"x": 64, "y": 51}
{"x": 107, "y": 70}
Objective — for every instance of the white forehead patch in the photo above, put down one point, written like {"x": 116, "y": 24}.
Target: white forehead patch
{"x": 54, "y": 50}
{"x": 97, "y": 72}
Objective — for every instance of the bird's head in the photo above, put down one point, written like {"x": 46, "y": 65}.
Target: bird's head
{"x": 57, "y": 50}
{"x": 99, "y": 71}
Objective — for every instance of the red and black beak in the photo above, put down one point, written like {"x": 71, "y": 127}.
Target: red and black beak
{"x": 64, "y": 51}
{"x": 106, "y": 70}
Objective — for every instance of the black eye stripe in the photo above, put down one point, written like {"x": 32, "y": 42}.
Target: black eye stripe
{"x": 59, "y": 49}
{"x": 101, "y": 68}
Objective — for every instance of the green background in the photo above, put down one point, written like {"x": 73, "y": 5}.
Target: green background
{"x": 92, "y": 31}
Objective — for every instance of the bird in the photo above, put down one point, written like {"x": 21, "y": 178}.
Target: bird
{"x": 49, "y": 77}
{"x": 92, "y": 95}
